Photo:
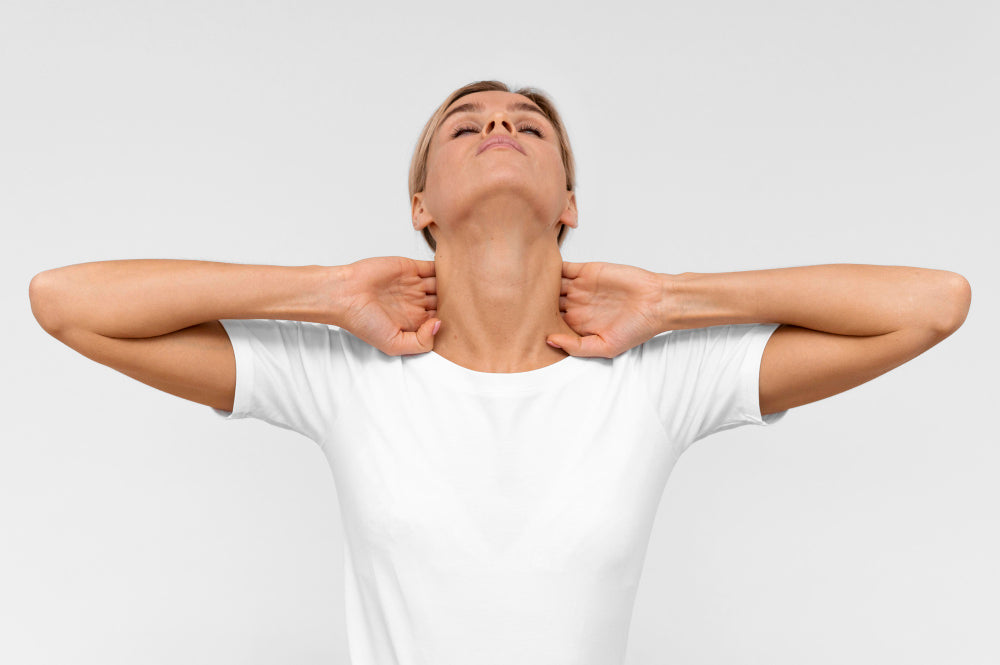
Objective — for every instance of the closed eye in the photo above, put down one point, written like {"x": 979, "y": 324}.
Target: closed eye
{"x": 458, "y": 131}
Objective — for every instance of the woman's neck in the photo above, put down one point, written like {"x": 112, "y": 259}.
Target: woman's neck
{"x": 498, "y": 299}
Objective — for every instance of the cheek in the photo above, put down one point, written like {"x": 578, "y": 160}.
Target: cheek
{"x": 436, "y": 186}
{"x": 433, "y": 167}
{"x": 557, "y": 168}
{"x": 439, "y": 161}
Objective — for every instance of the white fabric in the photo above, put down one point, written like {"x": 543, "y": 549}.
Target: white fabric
{"x": 495, "y": 518}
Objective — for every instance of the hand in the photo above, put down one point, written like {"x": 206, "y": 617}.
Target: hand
{"x": 611, "y": 307}
{"x": 389, "y": 302}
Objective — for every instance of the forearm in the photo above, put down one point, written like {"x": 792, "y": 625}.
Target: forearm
{"x": 844, "y": 298}
{"x": 149, "y": 297}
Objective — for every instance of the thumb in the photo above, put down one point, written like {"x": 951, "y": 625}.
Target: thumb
{"x": 589, "y": 346}
{"x": 421, "y": 341}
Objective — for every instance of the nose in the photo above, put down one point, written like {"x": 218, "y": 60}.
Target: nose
{"x": 498, "y": 119}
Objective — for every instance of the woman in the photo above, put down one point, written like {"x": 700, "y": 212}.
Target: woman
{"x": 497, "y": 491}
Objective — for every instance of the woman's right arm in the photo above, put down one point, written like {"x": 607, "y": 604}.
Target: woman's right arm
{"x": 157, "y": 320}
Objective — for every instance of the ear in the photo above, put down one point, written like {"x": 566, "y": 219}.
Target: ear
{"x": 569, "y": 215}
{"x": 421, "y": 217}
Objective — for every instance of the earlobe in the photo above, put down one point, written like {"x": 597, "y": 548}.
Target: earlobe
{"x": 569, "y": 216}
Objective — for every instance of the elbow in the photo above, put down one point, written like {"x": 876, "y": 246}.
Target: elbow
{"x": 41, "y": 296}
{"x": 959, "y": 301}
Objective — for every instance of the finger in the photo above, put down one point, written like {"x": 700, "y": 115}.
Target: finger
{"x": 562, "y": 303}
{"x": 430, "y": 302}
{"x": 571, "y": 270}
{"x": 564, "y": 289}
{"x": 590, "y": 346}
{"x": 410, "y": 343}
{"x": 424, "y": 268}
{"x": 429, "y": 284}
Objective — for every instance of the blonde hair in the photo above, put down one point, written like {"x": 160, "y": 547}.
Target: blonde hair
{"x": 418, "y": 164}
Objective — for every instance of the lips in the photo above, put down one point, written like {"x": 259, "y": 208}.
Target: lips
{"x": 500, "y": 140}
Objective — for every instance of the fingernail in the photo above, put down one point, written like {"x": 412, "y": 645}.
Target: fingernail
{"x": 435, "y": 329}
{"x": 550, "y": 343}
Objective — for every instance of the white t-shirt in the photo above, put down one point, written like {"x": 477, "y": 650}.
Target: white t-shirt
{"x": 491, "y": 518}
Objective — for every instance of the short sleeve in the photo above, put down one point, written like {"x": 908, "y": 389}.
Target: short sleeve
{"x": 285, "y": 373}
{"x": 705, "y": 380}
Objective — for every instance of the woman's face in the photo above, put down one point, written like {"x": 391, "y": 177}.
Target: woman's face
{"x": 522, "y": 176}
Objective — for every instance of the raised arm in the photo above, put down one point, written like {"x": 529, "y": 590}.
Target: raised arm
{"x": 157, "y": 320}
{"x": 842, "y": 324}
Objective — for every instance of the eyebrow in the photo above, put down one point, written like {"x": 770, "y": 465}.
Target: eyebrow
{"x": 473, "y": 106}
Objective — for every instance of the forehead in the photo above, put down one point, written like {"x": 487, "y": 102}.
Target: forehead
{"x": 492, "y": 99}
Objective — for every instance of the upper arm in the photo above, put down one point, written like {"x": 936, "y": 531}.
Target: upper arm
{"x": 196, "y": 363}
{"x": 801, "y": 365}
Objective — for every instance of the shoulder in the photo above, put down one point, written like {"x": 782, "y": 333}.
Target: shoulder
{"x": 695, "y": 349}
{"x": 307, "y": 339}
{"x": 649, "y": 350}
{"x": 710, "y": 335}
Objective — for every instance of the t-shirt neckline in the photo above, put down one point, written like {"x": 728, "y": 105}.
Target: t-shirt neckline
{"x": 502, "y": 381}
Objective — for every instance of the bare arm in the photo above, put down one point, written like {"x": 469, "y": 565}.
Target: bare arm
{"x": 839, "y": 298}
{"x": 149, "y": 297}
{"x": 156, "y": 320}
{"x": 842, "y": 324}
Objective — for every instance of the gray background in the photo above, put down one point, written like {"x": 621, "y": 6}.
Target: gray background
{"x": 710, "y": 137}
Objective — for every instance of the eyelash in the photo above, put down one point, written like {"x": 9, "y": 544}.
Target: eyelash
{"x": 531, "y": 128}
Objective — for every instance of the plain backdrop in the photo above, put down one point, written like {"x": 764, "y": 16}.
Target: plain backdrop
{"x": 137, "y": 527}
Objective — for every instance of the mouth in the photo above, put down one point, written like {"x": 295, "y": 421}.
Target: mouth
{"x": 500, "y": 142}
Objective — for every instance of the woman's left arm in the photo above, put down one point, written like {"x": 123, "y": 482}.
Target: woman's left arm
{"x": 842, "y": 324}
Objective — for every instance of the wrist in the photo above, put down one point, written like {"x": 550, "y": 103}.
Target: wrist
{"x": 671, "y": 301}
{"x": 334, "y": 294}
{"x": 701, "y": 300}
